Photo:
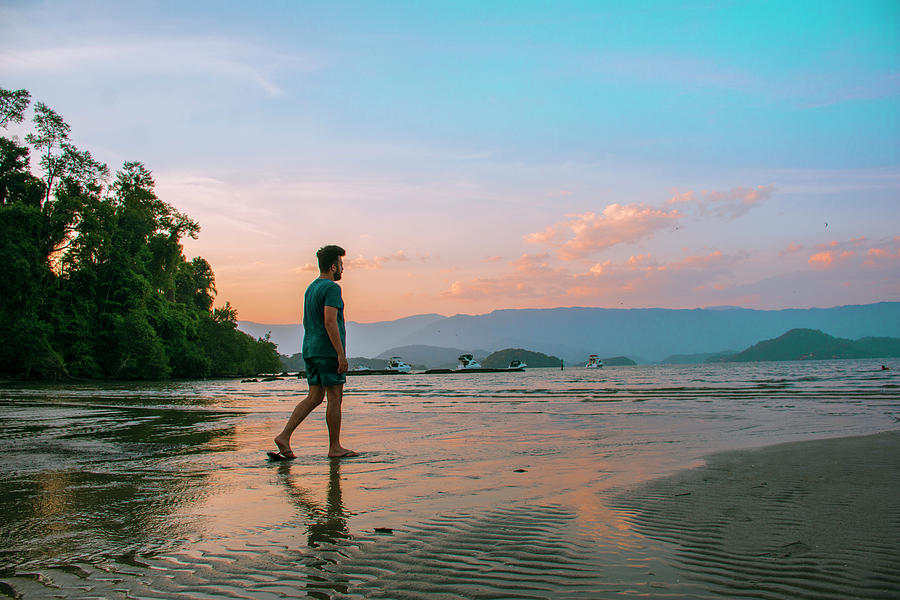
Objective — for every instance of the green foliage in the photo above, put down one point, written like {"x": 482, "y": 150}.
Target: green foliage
{"x": 13, "y": 105}
{"x": 96, "y": 283}
{"x": 812, "y": 344}
{"x": 501, "y": 359}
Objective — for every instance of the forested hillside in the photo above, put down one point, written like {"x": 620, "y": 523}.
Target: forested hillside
{"x": 811, "y": 344}
{"x": 95, "y": 283}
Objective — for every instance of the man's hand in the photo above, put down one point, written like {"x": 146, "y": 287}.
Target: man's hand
{"x": 343, "y": 365}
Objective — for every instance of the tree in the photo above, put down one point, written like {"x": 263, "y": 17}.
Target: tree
{"x": 13, "y": 105}
{"x": 98, "y": 284}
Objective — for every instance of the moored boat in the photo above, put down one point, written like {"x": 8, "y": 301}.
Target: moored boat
{"x": 594, "y": 362}
{"x": 395, "y": 363}
{"x": 467, "y": 361}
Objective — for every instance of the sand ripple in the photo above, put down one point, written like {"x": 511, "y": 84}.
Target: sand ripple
{"x": 807, "y": 520}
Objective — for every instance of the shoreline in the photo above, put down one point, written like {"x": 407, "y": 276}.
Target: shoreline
{"x": 813, "y": 518}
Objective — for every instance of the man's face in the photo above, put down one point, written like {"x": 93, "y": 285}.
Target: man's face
{"x": 338, "y": 269}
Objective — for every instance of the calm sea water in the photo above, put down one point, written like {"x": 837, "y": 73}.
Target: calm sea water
{"x": 151, "y": 490}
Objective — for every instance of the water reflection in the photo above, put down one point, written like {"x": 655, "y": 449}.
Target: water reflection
{"x": 326, "y": 528}
{"x": 327, "y": 524}
{"x": 104, "y": 481}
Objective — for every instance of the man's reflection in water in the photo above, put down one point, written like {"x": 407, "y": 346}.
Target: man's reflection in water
{"x": 327, "y": 524}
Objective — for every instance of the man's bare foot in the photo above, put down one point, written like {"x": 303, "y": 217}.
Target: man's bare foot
{"x": 342, "y": 453}
{"x": 284, "y": 446}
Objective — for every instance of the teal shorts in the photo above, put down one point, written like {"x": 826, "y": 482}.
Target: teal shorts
{"x": 322, "y": 370}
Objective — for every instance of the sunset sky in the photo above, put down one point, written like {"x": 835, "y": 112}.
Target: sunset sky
{"x": 473, "y": 156}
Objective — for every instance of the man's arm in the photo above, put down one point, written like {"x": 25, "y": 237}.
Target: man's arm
{"x": 334, "y": 334}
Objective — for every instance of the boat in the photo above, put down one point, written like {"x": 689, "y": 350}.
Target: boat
{"x": 467, "y": 361}
{"x": 517, "y": 365}
{"x": 395, "y": 363}
{"x": 594, "y": 362}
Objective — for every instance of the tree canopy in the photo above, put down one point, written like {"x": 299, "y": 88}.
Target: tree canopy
{"x": 96, "y": 284}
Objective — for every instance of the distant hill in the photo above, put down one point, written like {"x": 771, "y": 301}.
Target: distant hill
{"x": 295, "y": 363}
{"x": 575, "y": 333}
{"x": 618, "y": 361}
{"x": 502, "y": 358}
{"x": 812, "y": 344}
{"x": 431, "y": 357}
{"x": 694, "y": 359}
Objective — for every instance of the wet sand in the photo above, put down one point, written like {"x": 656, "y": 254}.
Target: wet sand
{"x": 546, "y": 485}
{"x": 817, "y": 519}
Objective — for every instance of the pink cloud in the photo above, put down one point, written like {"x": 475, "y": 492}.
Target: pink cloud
{"x": 729, "y": 204}
{"x": 791, "y": 249}
{"x": 307, "y": 268}
{"x": 737, "y": 201}
{"x": 682, "y": 198}
{"x": 878, "y": 255}
{"x": 532, "y": 277}
{"x": 587, "y": 233}
{"x": 835, "y": 253}
{"x": 376, "y": 262}
{"x": 823, "y": 260}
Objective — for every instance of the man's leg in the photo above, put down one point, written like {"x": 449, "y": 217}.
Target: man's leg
{"x": 335, "y": 395}
{"x": 304, "y": 407}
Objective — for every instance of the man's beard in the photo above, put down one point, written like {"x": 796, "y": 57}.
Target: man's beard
{"x": 337, "y": 275}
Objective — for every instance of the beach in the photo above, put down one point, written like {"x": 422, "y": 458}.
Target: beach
{"x": 765, "y": 481}
{"x": 811, "y": 519}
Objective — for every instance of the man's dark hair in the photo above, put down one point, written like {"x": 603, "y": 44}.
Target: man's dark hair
{"x": 328, "y": 255}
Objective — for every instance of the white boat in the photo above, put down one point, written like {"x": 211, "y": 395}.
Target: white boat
{"x": 395, "y": 363}
{"x": 594, "y": 362}
{"x": 516, "y": 364}
{"x": 467, "y": 361}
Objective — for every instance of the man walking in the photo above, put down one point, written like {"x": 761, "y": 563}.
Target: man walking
{"x": 324, "y": 339}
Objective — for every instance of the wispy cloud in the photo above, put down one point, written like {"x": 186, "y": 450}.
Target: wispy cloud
{"x": 533, "y": 276}
{"x": 849, "y": 253}
{"x": 177, "y": 56}
{"x": 729, "y": 204}
{"x": 792, "y": 248}
{"x": 587, "y": 233}
{"x": 376, "y": 262}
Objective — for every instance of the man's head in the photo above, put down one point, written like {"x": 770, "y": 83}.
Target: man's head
{"x": 330, "y": 262}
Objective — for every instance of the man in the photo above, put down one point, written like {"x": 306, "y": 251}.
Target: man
{"x": 324, "y": 338}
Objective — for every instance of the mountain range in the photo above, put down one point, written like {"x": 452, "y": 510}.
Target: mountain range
{"x": 644, "y": 334}
{"x": 811, "y": 344}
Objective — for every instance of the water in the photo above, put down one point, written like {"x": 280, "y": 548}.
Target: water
{"x": 475, "y": 485}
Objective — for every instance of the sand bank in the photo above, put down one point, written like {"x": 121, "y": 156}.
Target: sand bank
{"x": 817, "y": 519}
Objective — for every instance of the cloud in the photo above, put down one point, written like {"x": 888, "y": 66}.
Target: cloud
{"x": 884, "y": 253}
{"x": 376, "y": 262}
{"x": 587, "y": 233}
{"x": 729, "y": 204}
{"x": 533, "y": 276}
{"x": 792, "y": 248}
{"x": 361, "y": 262}
{"x": 307, "y": 268}
{"x": 181, "y": 55}
{"x": 841, "y": 253}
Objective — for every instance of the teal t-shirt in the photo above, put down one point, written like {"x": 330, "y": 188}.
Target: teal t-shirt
{"x": 321, "y": 293}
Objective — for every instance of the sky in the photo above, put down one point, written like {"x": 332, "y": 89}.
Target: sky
{"x": 474, "y": 156}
